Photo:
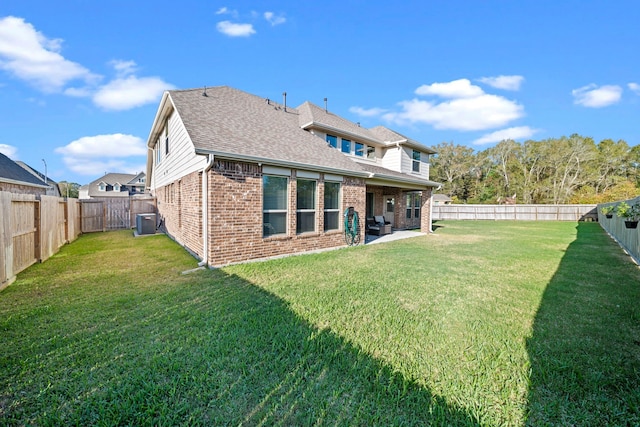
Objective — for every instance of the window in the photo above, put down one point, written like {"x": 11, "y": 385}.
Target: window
{"x": 305, "y": 206}
{"x": 158, "y": 152}
{"x": 331, "y": 206}
{"x": 274, "y": 205}
{"x": 332, "y": 141}
{"x": 102, "y": 186}
{"x": 116, "y": 187}
{"x": 416, "y": 161}
{"x": 166, "y": 145}
{"x": 359, "y": 149}
{"x": 346, "y": 146}
{"x": 371, "y": 153}
{"x": 413, "y": 204}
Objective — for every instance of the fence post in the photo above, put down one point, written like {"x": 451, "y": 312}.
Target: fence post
{"x": 37, "y": 236}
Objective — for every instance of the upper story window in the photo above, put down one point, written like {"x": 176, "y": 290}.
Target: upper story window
{"x": 332, "y": 141}
{"x": 346, "y": 146}
{"x": 305, "y": 206}
{"x": 116, "y": 187}
{"x": 359, "y": 149}
{"x": 102, "y": 186}
{"x": 371, "y": 153}
{"x": 158, "y": 152}
{"x": 331, "y": 206}
{"x": 416, "y": 161}
{"x": 274, "y": 205}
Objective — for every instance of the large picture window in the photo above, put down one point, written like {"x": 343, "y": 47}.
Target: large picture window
{"x": 305, "y": 206}
{"x": 331, "y": 206}
{"x": 274, "y": 205}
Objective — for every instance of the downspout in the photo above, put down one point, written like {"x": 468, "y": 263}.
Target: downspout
{"x": 205, "y": 216}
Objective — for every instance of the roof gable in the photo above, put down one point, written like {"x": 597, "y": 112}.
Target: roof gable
{"x": 233, "y": 123}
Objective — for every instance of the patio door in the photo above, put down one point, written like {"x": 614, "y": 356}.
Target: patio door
{"x": 389, "y": 209}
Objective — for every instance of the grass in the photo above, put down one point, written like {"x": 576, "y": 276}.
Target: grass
{"x": 481, "y": 323}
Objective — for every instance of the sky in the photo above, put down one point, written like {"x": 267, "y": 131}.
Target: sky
{"x": 81, "y": 80}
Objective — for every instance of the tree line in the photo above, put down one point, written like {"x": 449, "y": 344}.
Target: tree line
{"x": 570, "y": 169}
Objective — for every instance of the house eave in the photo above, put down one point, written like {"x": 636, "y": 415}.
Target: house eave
{"x": 323, "y": 127}
{"x": 281, "y": 163}
{"x": 27, "y": 184}
{"x": 376, "y": 178}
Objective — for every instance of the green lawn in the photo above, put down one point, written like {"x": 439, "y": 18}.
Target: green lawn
{"x": 482, "y": 323}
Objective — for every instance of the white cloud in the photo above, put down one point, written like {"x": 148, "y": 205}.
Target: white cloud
{"x": 226, "y": 11}
{"x": 9, "y": 151}
{"x": 466, "y": 108}
{"x": 596, "y": 97}
{"x": 124, "y": 68}
{"x": 273, "y": 19}
{"x": 30, "y": 56}
{"x": 634, "y": 87}
{"x": 130, "y": 92}
{"x": 515, "y": 133}
{"x": 461, "y": 88}
{"x": 503, "y": 82}
{"x": 235, "y": 30}
{"x": 91, "y": 155}
{"x": 367, "y": 112}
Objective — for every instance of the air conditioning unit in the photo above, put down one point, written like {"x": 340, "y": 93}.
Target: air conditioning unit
{"x": 146, "y": 224}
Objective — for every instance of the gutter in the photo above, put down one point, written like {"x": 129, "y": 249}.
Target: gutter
{"x": 27, "y": 184}
{"x": 283, "y": 163}
{"x": 205, "y": 216}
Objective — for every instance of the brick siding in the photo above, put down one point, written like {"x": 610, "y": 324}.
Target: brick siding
{"x": 22, "y": 189}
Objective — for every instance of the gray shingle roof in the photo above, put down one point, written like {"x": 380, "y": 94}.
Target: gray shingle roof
{"x": 317, "y": 115}
{"x": 10, "y": 170}
{"x": 382, "y": 172}
{"x": 237, "y": 124}
{"x": 123, "y": 179}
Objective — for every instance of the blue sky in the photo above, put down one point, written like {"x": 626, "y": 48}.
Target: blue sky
{"x": 80, "y": 80}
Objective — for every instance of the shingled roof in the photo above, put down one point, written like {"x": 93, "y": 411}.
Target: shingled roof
{"x": 228, "y": 122}
{"x": 10, "y": 171}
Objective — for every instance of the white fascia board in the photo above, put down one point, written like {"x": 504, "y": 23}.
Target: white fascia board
{"x": 341, "y": 132}
{"x": 158, "y": 120}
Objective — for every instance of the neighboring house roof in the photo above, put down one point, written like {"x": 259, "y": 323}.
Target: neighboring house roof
{"x": 54, "y": 189}
{"x": 13, "y": 173}
{"x": 442, "y": 198}
{"x": 111, "y": 179}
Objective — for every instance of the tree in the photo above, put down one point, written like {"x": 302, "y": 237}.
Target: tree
{"x": 450, "y": 166}
{"x": 69, "y": 189}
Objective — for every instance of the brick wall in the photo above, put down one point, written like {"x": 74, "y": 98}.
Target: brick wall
{"x": 22, "y": 189}
{"x": 235, "y": 230}
{"x": 425, "y": 210}
{"x": 180, "y": 209}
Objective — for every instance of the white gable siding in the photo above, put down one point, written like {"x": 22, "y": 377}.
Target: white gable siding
{"x": 392, "y": 159}
{"x": 181, "y": 159}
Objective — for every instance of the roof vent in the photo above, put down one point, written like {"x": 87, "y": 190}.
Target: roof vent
{"x": 205, "y": 92}
{"x": 325, "y": 105}
{"x": 284, "y": 96}
{"x": 268, "y": 101}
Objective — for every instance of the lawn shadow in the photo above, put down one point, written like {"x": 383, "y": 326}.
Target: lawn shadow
{"x": 584, "y": 349}
{"x": 219, "y": 350}
{"x": 274, "y": 368}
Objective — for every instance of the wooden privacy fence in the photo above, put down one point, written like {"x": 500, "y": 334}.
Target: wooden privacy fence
{"x": 516, "y": 212}
{"x": 102, "y": 214}
{"x": 32, "y": 230}
{"x": 628, "y": 238}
